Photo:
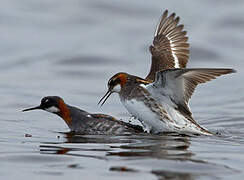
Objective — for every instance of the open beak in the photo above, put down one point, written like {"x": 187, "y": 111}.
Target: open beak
{"x": 105, "y": 97}
{"x": 30, "y": 109}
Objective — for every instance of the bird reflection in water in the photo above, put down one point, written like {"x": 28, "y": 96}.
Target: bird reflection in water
{"x": 165, "y": 155}
{"x": 165, "y": 146}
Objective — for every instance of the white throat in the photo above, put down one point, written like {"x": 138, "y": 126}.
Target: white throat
{"x": 117, "y": 88}
{"x": 52, "y": 109}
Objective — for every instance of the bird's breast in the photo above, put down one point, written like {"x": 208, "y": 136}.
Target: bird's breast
{"x": 148, "y": 114}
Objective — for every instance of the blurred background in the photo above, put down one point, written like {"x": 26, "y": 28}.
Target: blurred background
{"x": 71, "y": 48}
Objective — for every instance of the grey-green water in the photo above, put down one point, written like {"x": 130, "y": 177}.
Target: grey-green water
{"x": 71, "y": 48}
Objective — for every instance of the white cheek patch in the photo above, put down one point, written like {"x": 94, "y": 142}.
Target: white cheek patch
{"x": 52, "y": 109}
{"x": 117, "y": 88}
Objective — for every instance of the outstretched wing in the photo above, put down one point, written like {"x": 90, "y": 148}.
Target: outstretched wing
{"x": 178, "y": 85}
{"x": 170, "y": 48}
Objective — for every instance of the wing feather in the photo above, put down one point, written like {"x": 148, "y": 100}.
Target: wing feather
{"x": 178, "y": 85}
{"x": 170, "y": 48}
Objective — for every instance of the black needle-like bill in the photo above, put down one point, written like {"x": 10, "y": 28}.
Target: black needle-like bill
{"x": 30, "y": 109}
{"x": 104, "y": 98}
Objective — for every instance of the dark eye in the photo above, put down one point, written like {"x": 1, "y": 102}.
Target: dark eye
{"x": 46, "y": 101}
{"x": 111, "y": 82}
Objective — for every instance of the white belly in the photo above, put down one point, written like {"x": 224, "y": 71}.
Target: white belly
{"x": 144, "y": 114}
{"x": 155, "y": 123}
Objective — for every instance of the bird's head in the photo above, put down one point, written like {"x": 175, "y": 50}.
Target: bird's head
{"x": 119, "y": 81}
{"x": 50, "y": 104}
{"x": 115, "y": 84}
{"x": 56, "y": 105}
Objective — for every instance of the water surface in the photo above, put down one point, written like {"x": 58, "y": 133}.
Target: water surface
{"x": 71, "y": 48}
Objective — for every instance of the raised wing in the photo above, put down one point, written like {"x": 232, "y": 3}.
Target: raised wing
{"x": 178, "y": 85}
{"x": 170, "y": 48}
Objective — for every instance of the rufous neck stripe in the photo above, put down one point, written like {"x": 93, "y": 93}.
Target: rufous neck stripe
{"x": 64, "y": 112}
{"x": 123, "y": 79}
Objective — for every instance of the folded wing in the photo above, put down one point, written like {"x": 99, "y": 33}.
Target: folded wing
{"x": 170, "y": 48}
